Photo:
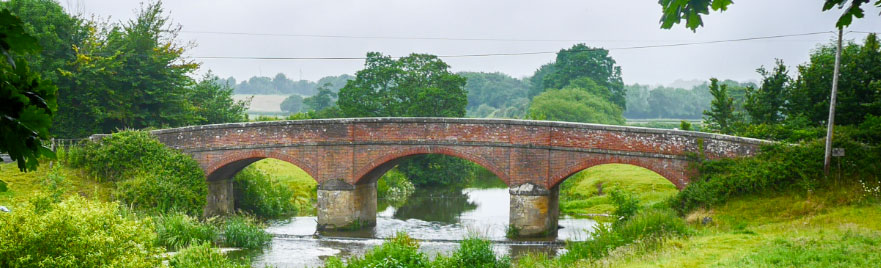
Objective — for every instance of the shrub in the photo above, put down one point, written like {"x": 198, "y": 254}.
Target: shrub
{"x": 394, "y": 188}
{"x": 646, "y": 226}
{"x": 474, "y": 252}
{"x": 777, "y": 168}
{"x": 149, "y": 175}
{"x": 202, "y": 255}
{"x": 178, "y": 230}
{"x": 243, "y": 232}
{"x": 399, "y": 251}
{"x": 257, "y": 193}
{"x": 3, "y": 186}
{"x": 626, "y": 204}
{"x": 76, "y": 233}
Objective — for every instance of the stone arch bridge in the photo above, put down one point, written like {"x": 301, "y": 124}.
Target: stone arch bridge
{"x": 347, "y": 156}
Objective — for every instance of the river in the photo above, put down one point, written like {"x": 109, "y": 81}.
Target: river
{"x": 438, "y": 220}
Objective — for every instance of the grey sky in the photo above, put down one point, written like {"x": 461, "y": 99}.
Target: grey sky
{"x": 599, "y": 23}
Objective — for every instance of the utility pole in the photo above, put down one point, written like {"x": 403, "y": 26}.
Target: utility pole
{"x": 831, "y": 121}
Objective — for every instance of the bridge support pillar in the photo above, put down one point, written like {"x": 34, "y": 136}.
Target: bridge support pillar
{"x": 344, "y": 206}
{"x": 220, "y": 199}
{"x": 534, "y": 210}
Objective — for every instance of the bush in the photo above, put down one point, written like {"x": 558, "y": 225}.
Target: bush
{"x": 149, "y": 175}
{"x": 177, "y": 231}
{"x": 243, "y": 232}
{"x": 76, "y": 233}
{"x": 3, "y": 186}
{"x": 777, "y": 168}
{"x": 257, "y": 193}
{"x": 626, "y": 204}
{"x": 202, "y": 255}
{"x": 399, "y": 251}
{"x": 647, "y": 226}
{"x": 473, "y": 252}
{"x": 394, "y": 188}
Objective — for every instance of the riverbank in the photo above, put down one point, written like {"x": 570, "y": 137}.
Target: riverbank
{"x": 828, "y": 228}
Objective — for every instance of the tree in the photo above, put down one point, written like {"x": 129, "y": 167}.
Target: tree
{"x": 765, "y": 103}
{"x": 132, "y": 75}
{"x": 212, "y": 99}
{"x": 415, "y": 85}
{"x": 859, "y": 84}
{"x": 720, "y": 118}
{"x": 28, "y": 101}
{"x": 583, "y": 61}
{"x": 576, "y": 103}
{"x": 323, "y": 100}
{"x": 673, "y": 11}
{"x": 493, "y": 91}
{"x": 292, "y": 104}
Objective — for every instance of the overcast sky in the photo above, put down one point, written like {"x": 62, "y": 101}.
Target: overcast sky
{"x": 609, "y": 24}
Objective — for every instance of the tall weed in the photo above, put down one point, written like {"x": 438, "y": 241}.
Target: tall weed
{"x": 244, "y": 232}
{"x": 178, "y": 230}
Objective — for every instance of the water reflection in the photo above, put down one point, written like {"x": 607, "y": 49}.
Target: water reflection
{"x": 437, "y": 219}
{"x": 431, "y": 205}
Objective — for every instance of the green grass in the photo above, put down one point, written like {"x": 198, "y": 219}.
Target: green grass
{"x": 828, "y": 228}
{"x": 303, "y": 185}
{"x": 578, "y": 193}
{"x": 22, "y": 186}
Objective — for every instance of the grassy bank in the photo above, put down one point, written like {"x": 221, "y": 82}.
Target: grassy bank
{"x": 828, "y": 228}
{"x": 23, "y": 186}
{"x": 579, "y": 193}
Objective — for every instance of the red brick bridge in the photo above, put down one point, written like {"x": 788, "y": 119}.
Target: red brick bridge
{"x": 347, "y": 156}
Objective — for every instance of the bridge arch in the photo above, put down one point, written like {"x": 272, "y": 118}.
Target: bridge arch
{"x": 231, "y": 163}
{"x": 676, "y": 174}
{"x": 376, "y": 167}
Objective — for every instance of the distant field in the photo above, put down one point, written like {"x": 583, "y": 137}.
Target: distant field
{"x": 263, "y": 103}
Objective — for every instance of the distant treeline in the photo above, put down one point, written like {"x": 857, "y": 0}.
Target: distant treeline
{"x": 645, "y": 102}
{"x": 282, "y": 85}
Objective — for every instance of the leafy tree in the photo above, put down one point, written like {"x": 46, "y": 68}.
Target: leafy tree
{"x": 323, "y": 100}
{"x": 28, "y": 101}
{"x": 536, "y": 82}
{"x": 673, "y": 11}
{"x": 415, "y": 85}
{"x": 721, "y": 117}
{"x": 765, "y": 104}
{"x": 56, "y": 31}
{"x": 292, "y": 104}
{"x": 131, "y": 76}
{"x": 859, "y": 84}
{"x": 212, "y": 99}
{"x": 490, "y": 92}
{"x": 577, "y": 102}
{"x": 583, "y": 61}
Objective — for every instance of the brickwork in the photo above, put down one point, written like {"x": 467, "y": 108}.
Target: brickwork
{"x": 517, "y": 151}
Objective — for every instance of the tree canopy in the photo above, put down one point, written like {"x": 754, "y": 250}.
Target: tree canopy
{"x": 28, "y": 101}
{"x": 412, "y": 86}
{"x": 577, "y": 102}
{"x": 674, "y": 11}
{"x": 495, "y": 95}
{"x": 582, "y": 61}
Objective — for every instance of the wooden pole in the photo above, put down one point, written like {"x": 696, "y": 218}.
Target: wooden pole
{"x": 831, "y": 126}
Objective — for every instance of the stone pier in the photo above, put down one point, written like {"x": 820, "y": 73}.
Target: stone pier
{"x": 346, "y": 206}
{"x": 534, "y": 210}
{"x": 220, "y": 199}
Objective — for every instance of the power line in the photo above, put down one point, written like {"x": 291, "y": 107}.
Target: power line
{"x": 528, "y": 53}
{"x": 395, "y": 37}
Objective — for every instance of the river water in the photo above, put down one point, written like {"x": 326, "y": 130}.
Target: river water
{"x": 438, "y": 220}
